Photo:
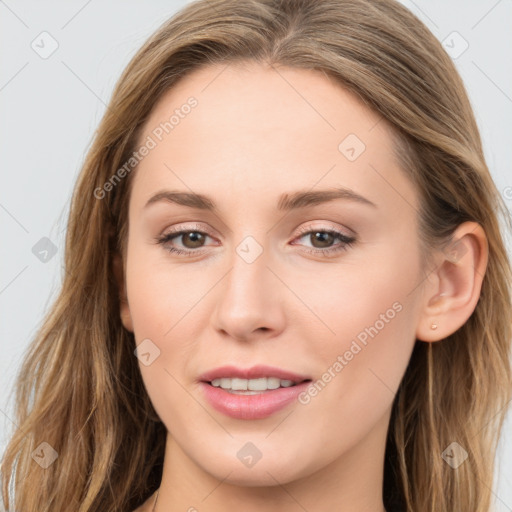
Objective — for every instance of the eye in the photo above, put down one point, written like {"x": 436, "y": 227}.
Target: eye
{"x": 190, "y": 239}
{"x": 322, "y": 240}
{"x": 193, "y": 240}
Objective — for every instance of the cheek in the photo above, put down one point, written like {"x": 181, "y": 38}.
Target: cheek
{"x": 165, "y": 305}
{"x": 350, "y": 299}
{"x": 360, "y": 366}
{"x": 162, "y": 295}
{"x": 372, "y": 314}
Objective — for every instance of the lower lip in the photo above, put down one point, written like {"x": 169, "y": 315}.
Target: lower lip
{"x": 251, "y": 407}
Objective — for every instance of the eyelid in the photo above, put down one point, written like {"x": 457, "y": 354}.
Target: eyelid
{"x": 180, "y": 227}
{"x": 345, "y": 239}
{"x": 325, "y": 227}
{"x": 301, "y": 230}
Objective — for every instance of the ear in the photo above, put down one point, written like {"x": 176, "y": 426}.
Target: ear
{"x": 119, "y": 273}
{"x": 452, "y": 290}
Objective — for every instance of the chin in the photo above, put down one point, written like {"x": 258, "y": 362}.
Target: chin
{"x": 263, "y": 473}
{"x": 261, "y": 478}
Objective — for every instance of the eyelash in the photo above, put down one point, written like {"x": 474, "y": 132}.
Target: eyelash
{"x": 346, "y": 241}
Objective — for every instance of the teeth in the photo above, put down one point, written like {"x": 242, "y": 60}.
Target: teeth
{"x": 262, "y": 384}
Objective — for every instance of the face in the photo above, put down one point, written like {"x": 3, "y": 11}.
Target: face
{"x": 318, "y": 289}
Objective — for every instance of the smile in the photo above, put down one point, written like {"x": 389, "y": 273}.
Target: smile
{"x": 251, "y": 386}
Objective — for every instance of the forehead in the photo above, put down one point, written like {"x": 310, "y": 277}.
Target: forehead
{"x": 252, "y": 124}
{"x": 301, "y": 103}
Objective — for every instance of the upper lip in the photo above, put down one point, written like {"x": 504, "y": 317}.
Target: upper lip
{"x": 255, "y": 372}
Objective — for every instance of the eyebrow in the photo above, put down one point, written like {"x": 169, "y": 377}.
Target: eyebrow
{"x": 287, "y": 202}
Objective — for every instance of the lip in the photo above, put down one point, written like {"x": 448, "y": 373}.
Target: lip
{"x": 251, "y": 407}
{"x": 255, "y": 372}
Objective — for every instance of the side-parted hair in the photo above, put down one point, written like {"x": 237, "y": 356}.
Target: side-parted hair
{"x": 80, "y": 389}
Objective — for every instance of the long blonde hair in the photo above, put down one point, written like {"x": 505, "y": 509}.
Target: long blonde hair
{"x": 80, "y": 388}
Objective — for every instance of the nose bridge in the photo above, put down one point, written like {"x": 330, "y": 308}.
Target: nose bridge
{"x": 248, "y": 298}
{"x": 248, "y": 281}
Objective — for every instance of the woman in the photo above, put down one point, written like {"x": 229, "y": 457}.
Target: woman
{"x": 286, "y": 285}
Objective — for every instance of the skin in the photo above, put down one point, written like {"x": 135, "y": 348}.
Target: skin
{"x": 251, "y": 138}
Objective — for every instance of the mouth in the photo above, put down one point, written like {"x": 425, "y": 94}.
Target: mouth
{"x": 240, "y": 386}
{"x": 253, "y": 393}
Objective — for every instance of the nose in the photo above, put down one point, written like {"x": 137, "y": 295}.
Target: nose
{"x": 250, "y": 300}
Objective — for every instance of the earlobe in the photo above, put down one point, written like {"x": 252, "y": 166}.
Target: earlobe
{"x": 119, "y": 273}
{"x": 453, "y": 289}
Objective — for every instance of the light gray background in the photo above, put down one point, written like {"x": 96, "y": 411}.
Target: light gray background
{"x": 51, "y": 107}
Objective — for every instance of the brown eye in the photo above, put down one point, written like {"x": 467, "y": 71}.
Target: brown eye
{"x": 324, "y": 239}
{"x": 189, "y": 245}
{"x": 192, "y": 239}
